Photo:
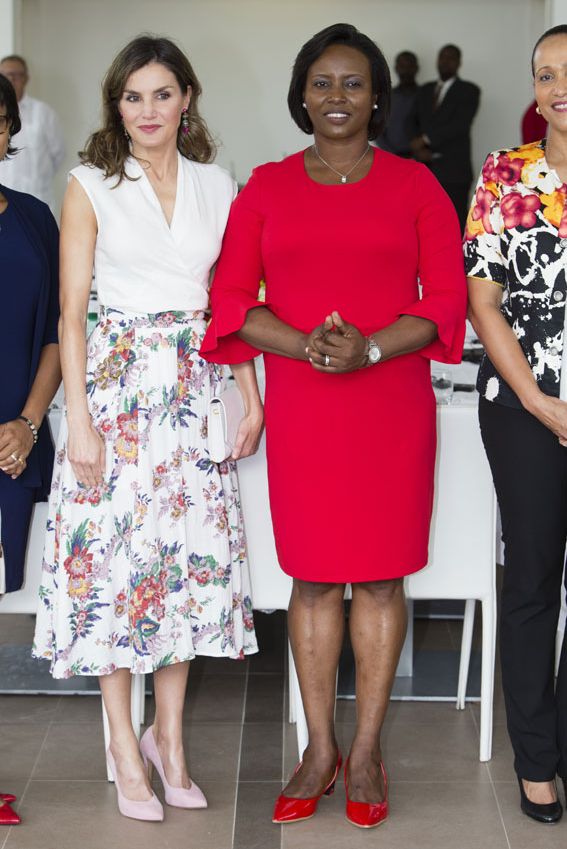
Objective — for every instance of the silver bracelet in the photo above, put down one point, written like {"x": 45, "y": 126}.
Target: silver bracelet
{"x": 31, "y": 426}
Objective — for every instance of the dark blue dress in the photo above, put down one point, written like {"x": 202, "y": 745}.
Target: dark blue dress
{"x": 29, "y": 312}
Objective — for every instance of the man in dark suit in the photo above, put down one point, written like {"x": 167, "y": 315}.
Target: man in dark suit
{"x": 395, "y": 137}
{"x": 441, "y": 123}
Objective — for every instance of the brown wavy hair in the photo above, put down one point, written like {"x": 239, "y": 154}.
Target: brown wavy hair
{"x": 108, "y": 148}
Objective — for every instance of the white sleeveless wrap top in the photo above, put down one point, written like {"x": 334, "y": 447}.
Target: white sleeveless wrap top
{"x": 143, "y": 265}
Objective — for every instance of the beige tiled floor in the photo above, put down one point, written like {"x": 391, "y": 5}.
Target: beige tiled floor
{"x": 442, "y": 797}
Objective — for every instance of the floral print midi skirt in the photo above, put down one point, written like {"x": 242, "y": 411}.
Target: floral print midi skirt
{"x": 149, "y": 568}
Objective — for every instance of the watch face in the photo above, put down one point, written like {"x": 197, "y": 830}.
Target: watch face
{"x": 374, "y": 353}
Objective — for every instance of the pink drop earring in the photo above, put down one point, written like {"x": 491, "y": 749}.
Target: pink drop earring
{"x": 185, "y": 122}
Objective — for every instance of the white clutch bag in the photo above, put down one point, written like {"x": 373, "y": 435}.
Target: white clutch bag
{"x": 2, "y": 562}
{"x": 225, "y": 414}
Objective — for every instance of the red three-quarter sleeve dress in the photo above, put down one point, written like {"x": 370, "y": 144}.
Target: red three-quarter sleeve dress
{"x": 350, "y": 456}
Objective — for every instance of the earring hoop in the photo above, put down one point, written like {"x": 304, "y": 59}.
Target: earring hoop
{"x": 538, "y": 110}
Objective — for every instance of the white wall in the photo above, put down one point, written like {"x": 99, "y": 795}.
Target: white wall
{"x": 242, "y": 51}
{"x": 9, "y": 19}
{"x": 556, "y": 12}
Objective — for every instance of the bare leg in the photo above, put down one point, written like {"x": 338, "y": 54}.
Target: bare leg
{"x": 170, "y": 684}
{"x": 540, "y": 792}
{"x": 378, "y": 620}
{"x": 316, "y": 627}
{"x": 132, "y": 776}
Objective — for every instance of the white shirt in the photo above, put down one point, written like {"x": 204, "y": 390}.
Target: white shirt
{"x": 41, "y": 151}
{"x": 442, "y": 89}
{"x": 141, "y": 263}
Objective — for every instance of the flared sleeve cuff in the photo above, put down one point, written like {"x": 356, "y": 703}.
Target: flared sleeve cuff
{"x": 449, "y": 315}
{"x": 237, "y": 279}
{"x": 221, "y": 343}
{"x": 441, "y": 270}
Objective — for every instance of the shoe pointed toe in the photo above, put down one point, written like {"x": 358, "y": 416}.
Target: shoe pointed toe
{"x": 548, "y": 813}
{"x": 289, "y": 809}
{"x": 181, "y": 797}
{"x": 367, "y": 814}
{"x": 177, "y": 797}
{"x": 8, "y": 816}
{"x": 150, "y": 810}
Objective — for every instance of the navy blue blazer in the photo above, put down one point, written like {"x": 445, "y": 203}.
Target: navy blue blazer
{"x": 40, "y": 227}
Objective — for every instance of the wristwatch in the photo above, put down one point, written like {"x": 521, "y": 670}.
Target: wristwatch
{"x": 374, "y": 352}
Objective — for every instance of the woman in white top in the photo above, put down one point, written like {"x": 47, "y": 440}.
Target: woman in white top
{"x": 145, "y": 564}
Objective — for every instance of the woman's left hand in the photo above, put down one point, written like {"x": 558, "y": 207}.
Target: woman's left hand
{"x": 16, "y": 442}
{"x": 343, "y": 344}
{"x": 249, "y": 434}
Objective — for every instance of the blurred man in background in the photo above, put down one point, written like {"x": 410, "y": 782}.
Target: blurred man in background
{"x": 396, "y": 136}
{"x": 441, "y": 121}
{"x": 40, "y": 141}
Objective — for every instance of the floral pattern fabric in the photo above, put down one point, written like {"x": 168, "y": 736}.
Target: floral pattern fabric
{"x": 516, "y": 236}
{"x": 149, "y": 568}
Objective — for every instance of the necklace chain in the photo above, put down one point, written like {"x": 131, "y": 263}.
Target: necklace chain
{"x": 334, "y": 170}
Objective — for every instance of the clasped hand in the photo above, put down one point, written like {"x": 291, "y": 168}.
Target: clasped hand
{"x": 421, "y": 150}
{"x": 336, "y": 347}
{"x": 16, "y": 442}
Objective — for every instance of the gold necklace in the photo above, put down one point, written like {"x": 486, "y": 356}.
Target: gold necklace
{"x": 338, "y": 173}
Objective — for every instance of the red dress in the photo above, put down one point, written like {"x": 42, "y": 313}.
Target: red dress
{"x": 351, "y": 456}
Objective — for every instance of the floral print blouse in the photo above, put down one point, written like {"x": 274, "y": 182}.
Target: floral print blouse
{"x": 516, "y": 237}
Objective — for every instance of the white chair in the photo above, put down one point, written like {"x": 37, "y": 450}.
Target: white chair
{"x": 462, "y": 553}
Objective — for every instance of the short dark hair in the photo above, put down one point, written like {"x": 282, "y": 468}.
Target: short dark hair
{"x": 9, "y": 102}
{"x": 310, "y": 52}
{"x": 560, "y": 29}
{"x": 406, "y": 54}
{"x": 454, "y": 48}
